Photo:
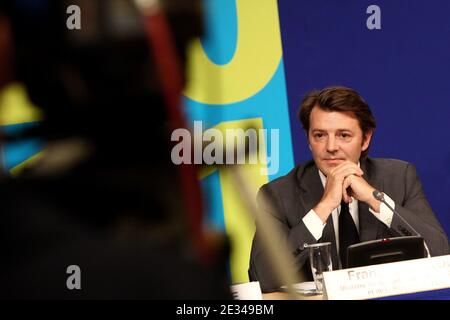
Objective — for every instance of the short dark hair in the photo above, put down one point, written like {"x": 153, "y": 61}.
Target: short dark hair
{"x": 340, "y": 99}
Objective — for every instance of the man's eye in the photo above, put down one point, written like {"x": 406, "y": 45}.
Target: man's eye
{"x": 318, "y": 135}
{"x": 345, "y": 135}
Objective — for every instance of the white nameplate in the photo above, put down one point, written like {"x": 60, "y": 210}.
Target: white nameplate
{"x": 246, "y": 291}
{"x": 388, "y": 279}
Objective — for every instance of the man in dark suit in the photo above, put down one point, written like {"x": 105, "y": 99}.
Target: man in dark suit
{"x": 330, "y": 199}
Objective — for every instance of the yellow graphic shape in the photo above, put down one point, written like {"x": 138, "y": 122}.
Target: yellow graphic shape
{"x": 239, "y": 223}
{"x": 257, "y": 56}
{"x": 15, "y": 106}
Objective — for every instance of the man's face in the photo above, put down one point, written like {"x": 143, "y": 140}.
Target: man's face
{"x": 335, "y": 137}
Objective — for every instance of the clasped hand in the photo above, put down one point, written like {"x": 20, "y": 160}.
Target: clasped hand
{"x": 344, "y": 182}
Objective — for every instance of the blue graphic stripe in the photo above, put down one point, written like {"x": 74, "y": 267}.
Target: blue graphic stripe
{"x": 14, "y": 153}
{"x": 213, "y": 192}
{"x": 17, "y": 152}
{"x": 220, "y": 38}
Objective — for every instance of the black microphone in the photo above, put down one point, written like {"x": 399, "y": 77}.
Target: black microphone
{"x": 380, "y": 197}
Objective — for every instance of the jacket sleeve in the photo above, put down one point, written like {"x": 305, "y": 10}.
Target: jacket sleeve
{"x": 292, "y": 237}
{"x": 416, "y": 210}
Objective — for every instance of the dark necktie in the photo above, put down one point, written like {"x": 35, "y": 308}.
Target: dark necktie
{"x": 348, "y": 234}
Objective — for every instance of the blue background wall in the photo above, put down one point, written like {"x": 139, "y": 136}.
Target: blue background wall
{"x": 401, "y": 70}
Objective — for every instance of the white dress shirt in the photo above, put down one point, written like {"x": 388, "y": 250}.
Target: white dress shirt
{"x": 315, "y": 225}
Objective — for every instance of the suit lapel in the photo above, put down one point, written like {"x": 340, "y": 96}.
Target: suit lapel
{"x": 368, "y": 223}
{"x": 329, "y": 235}
{"x": 311, "y": 190}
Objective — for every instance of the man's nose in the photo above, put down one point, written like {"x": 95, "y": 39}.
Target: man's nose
{"x": 332, "y": 145}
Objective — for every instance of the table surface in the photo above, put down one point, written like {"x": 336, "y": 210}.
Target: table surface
{"x": 287, "y": 296}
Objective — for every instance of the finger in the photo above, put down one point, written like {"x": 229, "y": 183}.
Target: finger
{"x": 346, "y": 172}
{"x": 350, "y": 195}
{"x": 344, "y": 195}
{"x": 346, "y": 184}
{"x": 345, "y": 167}
{"x": 347, "y": 163}
{"x": 349, "y": 188}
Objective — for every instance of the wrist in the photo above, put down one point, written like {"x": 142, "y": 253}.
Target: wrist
{"x": 323, "y": 210}
{"x": 374, "y": 205}
{"x": 368, "y": 196}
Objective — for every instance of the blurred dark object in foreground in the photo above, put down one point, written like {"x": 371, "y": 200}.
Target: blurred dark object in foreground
{"x": 104, "y": 195}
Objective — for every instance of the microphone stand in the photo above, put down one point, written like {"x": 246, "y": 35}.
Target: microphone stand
{"x": 380, "y": 197}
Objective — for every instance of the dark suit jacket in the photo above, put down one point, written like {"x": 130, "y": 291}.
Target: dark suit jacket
{"x": 288, "y": 199}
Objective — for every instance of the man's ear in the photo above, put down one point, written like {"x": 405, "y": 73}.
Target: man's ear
{"x": 366, "y": 140}
{"x": 307, "y": 140}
